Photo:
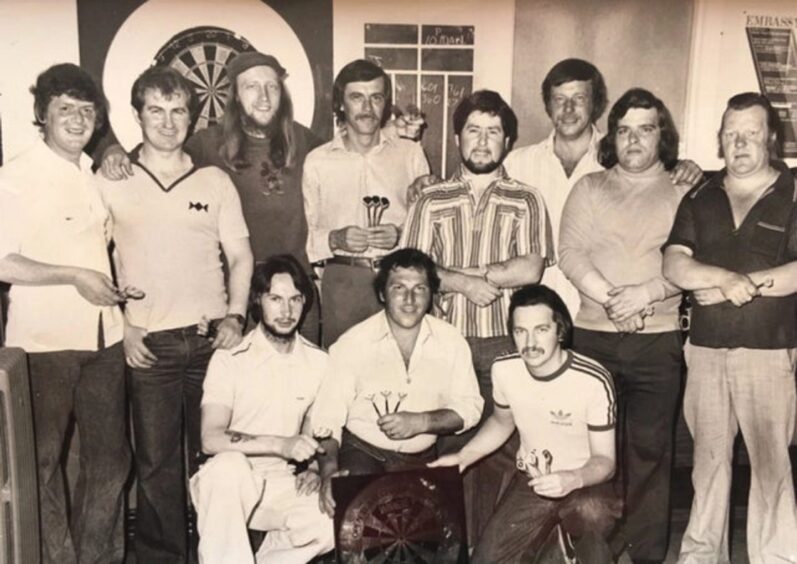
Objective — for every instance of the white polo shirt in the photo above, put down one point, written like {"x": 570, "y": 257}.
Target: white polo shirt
{"x": 168, "y": 243}
{"x": 268, "y": 392}
{"x": 51, "y": 212}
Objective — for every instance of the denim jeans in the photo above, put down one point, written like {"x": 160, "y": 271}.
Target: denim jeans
{"x": 360, "y": 457}
{"x": 89, "y": 387}
{"x": 165, "y": 401}
{"x": 523, "y": 520}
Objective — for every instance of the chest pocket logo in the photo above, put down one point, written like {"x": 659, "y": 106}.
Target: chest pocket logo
{"x": 198, "y": 206}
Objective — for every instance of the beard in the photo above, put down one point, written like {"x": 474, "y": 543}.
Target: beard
{"x": 256, "y": 128}
{"x": 483, "y": 168}
{"x": 275, "y": 334}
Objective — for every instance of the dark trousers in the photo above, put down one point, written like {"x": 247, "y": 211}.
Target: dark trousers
{"x": 484, "y": 481}
{"x": 360, "y": 457}
{"x": 523, "y": 521}
{"x": 165, "y": 400}
{"x": 347, "y": 297}
{"x": 647, "y": 371}
{"x": 89, "y": 387}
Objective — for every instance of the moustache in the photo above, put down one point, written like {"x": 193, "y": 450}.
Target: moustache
{"x": 530, "y": 350}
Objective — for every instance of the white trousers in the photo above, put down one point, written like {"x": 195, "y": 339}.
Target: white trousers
{"x": 751, "y": 390}
{"x": 230, "y": 498}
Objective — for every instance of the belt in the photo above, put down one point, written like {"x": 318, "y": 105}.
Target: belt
{"x": 361, "y": 262}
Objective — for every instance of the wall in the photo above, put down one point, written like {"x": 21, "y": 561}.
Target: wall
{"x": 33, "y": 36}
{"x": 632, "y": 42}
{"x": 722, "y": 65}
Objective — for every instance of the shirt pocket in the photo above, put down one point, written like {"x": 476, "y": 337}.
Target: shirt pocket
{"x": 766, "y": 239}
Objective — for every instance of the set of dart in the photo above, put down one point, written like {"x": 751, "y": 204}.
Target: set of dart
{"x": 531, "y": 463}
{"x": 375, "y": 206}
{"x": 386, "y": 395}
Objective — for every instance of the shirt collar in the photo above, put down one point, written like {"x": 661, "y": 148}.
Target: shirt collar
{"x": 48, "y": 155}
{"x": 458, "y": 175}
{"x": 783, "y": 185}
{"x": 265, "y": 349}
{"x": 594, "y": 140}
{"x": 338, "y": 143}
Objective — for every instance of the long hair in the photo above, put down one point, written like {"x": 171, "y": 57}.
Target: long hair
{"x": 644, "y": 99}
{"x": 264, "y": 272}
{"x": 282, "y": 148}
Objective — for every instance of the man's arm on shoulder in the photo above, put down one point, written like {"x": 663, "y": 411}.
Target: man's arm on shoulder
{"x": 597, "y": 469}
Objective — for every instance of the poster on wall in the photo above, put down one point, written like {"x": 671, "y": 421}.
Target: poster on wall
{"x": 118, "y": 41}
{"x": 431, "y": 68}
{"x": 773, "y": 46}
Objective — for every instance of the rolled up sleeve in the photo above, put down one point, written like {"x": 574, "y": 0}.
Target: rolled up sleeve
{"x": 463, "y": 395}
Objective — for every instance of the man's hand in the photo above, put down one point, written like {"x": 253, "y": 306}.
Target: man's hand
{"x": 409, "y": 124}
{"x": 686, "y": 173}
{"x": 96, "y": 287}
{"x": 479, "y": 291}
{"x": 630, "y": 325}
{"x": 739, "y": 289}
{"x": 708, "y": 296}
{"x": 308, "y": 482}
{"x": 299, "y": 448}
{"x": 556, "y": 484}
{"x": 229, "y": 333}
{"x": 449, "y": 460}
{"x": 415, "y": 189}
{"x": 383, "y": 236}
{"x": 116, "y": 164}
{"x": 351, "y": 238}
{"x": 625, "y": 301}
{"x": 402, "y": 425}
{"x": 325, "y": 501}
{"x": 137, "y": 354}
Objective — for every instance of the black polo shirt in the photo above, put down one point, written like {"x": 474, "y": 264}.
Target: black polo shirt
{"x": 766, "y": 238}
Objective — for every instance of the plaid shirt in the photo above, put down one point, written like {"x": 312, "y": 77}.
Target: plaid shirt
{"x": 509, "y": 221}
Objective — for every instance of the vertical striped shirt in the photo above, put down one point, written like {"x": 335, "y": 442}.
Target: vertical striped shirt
{"x": 509, "y": 221}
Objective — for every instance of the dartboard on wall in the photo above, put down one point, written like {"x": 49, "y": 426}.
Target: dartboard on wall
{"x": 401, "y": 517}
{"x": 201, "y": 55}
{"x": 119, "y": 41}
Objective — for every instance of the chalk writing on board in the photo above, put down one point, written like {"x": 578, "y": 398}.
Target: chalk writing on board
{"x": 447, "y": 35}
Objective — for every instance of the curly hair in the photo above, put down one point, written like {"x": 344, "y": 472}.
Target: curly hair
{"x": 488, "y": 102}
{"x": 406, "y": 258}
{"x": 69, "y": 79}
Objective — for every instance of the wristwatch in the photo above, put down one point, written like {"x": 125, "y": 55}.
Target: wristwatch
{"x": 237, "y": 317}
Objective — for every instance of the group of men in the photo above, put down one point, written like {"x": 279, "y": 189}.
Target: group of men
{"x": 442, "y": 341}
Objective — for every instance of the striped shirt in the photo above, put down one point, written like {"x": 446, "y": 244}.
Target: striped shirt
{"x": 555, "y": 414}
{"x": 509, "y": 221}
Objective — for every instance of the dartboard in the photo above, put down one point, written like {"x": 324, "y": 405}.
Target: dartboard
{"x": 201, "y": 54}
{"x": 400, "y": 518}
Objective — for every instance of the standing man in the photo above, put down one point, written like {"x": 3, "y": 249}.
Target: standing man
{"x": 734, "y": 246}
{"x": 256, "y": 396}
{"x": 172, "y": 222}
{"x": 362, "y": 161}
{"x": 64, "y": 312}
{"x": 613, "y": 225}
{"x": 263, "y": 149}
{"x": 488, "y": 234}
{"x": 395, "y": 381}
{"x": 574, "y": 95}
{"x": 563, "y": 405}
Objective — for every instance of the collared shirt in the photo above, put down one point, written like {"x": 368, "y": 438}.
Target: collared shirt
{"x": 447, "y": 223}
{"x": 268, "y": 392}
{"x": 168, "y": 243}
{"x": 615, "y": 222}
{"x": 537, "y": 165}
{"x": 51, "y": 212}
{"x": 367, "y": 378}
{"x": 336, "y": 180}
{"x": 766, "y": 238}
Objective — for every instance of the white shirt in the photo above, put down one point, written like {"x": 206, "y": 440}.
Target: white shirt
{"x": 336, "y": 180}
{"x": 366, "y": 375}
{"x": 537, "y": 165}
{"x": 268, "y": 392}
{"x": 51, "y": 212}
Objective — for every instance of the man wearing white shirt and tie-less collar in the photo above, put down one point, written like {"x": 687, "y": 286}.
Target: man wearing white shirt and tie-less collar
{"x": 64, "y": 312}
{"x": 395, "y": 381}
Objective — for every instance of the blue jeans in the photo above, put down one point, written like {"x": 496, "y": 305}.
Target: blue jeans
{"x": 165, "y": 401}
{"x": 523, "y": 520}
{"x": 89, "y": 387}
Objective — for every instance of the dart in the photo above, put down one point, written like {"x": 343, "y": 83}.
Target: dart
{"x": 386, "y": 394}
{"x": 401, "y": 398}
{"x": 368, "y": 208}
{"x": 371, "y": 399}
{"x": 546, "y": 454}
{"x": 384, "y": 203}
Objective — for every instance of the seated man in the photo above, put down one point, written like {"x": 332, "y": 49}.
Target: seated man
{"x": 254, "y": 402}
{"x": 563, "y": 405}
{"x": 395, "y": 381}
